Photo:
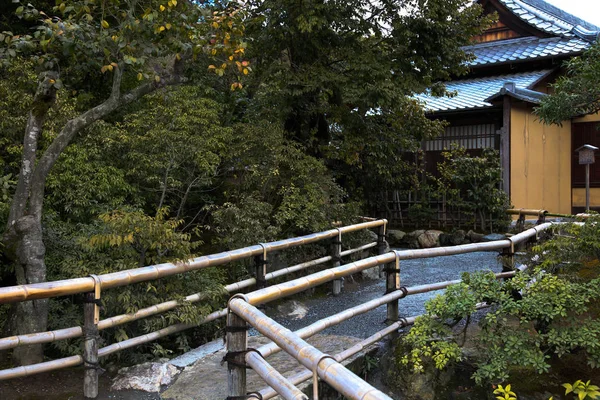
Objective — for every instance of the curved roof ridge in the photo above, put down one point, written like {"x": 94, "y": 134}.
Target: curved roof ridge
{"x": 550, "y": 19}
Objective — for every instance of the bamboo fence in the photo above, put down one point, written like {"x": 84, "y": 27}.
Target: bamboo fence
{"x": 241, "y": 308}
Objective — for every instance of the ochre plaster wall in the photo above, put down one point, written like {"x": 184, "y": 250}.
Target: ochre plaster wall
{"x": 579, "y": 197}
{"x": 540, "y": 162}
{"x": 588, "y": 118}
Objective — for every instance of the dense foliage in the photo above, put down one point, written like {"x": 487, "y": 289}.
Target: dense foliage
{"x": 539, "y": 315}
{"x": 149, "y": 131}
{"x": 577, "y": 92}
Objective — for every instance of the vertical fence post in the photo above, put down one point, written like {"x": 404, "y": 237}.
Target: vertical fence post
{"x": 91, "y": 317}
{"x": 508, "y": 258}
{"x": 336, "y": 249}
{"x": 237, "y": 345}
{"x": 382, "y": 246}
{"x": 260, "y": 265}
{"x": 392, "y": 283}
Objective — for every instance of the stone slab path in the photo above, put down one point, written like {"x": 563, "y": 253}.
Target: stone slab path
{"x": 206, "y": 378}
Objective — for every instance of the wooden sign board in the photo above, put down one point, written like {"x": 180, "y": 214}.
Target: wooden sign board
{"x": 586, "y": 154}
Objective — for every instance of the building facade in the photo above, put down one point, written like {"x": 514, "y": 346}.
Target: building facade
{"x": 515, "y": 62}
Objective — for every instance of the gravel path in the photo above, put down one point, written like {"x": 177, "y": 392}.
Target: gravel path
{"x": 413, "y": 272}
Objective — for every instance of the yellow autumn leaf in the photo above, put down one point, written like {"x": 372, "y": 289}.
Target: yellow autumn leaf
{"x": 213, "y": 51}
{"x": 156, "y": 78}
{"x": 140, "y": 76}
{"x": 223, "y": 66}
{"x": 230, "y": 58}
{"x": 215, "y": 25}
{"x": 114, "y": 64}
{"x": 211, "y": 67}
{"x": 162, "y": 8}
{"x": 105, "y": 24}
{"x": 109, "y": 67}
{"x": 174, "y": 3}
{"x": 245, "y": 71}
{"x": 162, "y": 28}
{"x": 177, "y": 56}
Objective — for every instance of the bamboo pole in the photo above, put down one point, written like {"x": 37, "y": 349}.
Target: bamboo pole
{"x": 358, "y": 249}
{"x": 268, "y": 393}
{"x": 335, "y": 374}
{"x": 76, "y": 331}
{"x": 12, "y": 294}
{"x": 273, "y": 378}
{"x": 319, "y": 326}
{"x": 526, "y": 211}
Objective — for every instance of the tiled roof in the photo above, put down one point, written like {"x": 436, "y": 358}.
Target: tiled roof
{"x": 472, "y": 93}
{"x": 548, "y": 18}
{"x": 526, "y": 48}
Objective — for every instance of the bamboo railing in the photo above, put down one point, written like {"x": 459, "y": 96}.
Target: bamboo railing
{"x": 94, "y": 285}
{"x": 243, "y": 312}
{"x": 242, "y": 309}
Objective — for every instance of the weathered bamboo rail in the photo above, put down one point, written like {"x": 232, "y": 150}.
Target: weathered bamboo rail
{"x": 242, "y": 310}
{"x": 93, "y": 286}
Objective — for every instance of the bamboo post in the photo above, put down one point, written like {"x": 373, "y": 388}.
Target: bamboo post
{"x": 90, "y": 346}
{"x": 381, "y": 245}
{"x": 260, "y": 265}
{"x": 237, "y": 346}
{"x": 392, "y": 283}
{"x": 336, "y": 249}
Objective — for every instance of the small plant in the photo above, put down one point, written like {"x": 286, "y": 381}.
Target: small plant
{"x": 582, "y": 390}
{"x": 504, "y": 393}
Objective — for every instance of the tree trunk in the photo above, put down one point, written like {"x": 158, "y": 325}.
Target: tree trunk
{"x": 29, "y": 316}
{"x": 23, "y": 236}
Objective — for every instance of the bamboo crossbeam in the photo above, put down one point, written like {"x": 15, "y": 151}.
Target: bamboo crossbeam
{"x": 319, "y": 326}
{"x": 27, "y": 370}
{"x": 358, "y": 249}
{"x": 526, "y": 211}
{"x": 335, "y": 374}
{"x": 268, "y": 393}
{"x": 45, "y": 290}
{"x": 273, "y": 378}
{"x": 75, "y": 332}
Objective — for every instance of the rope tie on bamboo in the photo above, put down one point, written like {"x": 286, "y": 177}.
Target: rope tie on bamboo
{"x": 233, "y": 357}
{"x": 249, "y": 395}
{"x": 316, "y": 375}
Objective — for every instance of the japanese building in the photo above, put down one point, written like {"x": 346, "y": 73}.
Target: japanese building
{"x": 516, "y": 61}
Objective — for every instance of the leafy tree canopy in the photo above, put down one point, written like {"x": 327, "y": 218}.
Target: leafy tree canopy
{"x": 577, "y": 92}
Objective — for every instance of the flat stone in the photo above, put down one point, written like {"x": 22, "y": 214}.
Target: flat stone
{"x": 148, "y": 377}
{"x": 194, "y": 355}
{"x": 206, "y": 379}
{"x": 293, "y": 309}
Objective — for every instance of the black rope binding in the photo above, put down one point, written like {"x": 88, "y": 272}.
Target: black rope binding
{"x": 231, "y": 357}
{"x": 249, "y": 395}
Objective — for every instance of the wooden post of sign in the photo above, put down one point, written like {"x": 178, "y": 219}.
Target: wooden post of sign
{"x": 237, "y": 345}
{"x": 90, "y": 347}
{"x": 336, "y": 249}
{"x": 587, "y": 187}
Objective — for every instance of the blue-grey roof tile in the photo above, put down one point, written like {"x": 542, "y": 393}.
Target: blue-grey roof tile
{"x": 529, "y": 47}
{"x": 472, "y": 93}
